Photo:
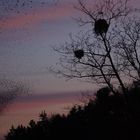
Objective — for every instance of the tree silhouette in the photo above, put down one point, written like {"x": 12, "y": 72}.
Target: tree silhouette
{"x": 104, "y": 117}
{"x": 107, "y": 53}
{"x": 109, "y": 46}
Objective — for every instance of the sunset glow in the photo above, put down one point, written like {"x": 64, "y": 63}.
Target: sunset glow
{"x": 26, "y": 40}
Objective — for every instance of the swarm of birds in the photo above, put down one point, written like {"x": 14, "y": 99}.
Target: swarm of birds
{"x": 79, "y": 53}
{"x": 101, "y": 26}
{"x": 19, "y": 6}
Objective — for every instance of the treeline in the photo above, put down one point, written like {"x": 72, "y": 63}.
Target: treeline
{"x": 107, "y": 116}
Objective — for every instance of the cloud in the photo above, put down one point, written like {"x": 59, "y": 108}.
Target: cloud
{"x": 28, "y": 107}
{"x": 33, "y": 101}
{"x": 36, "y": 16}
{"x": 49, "y": 97}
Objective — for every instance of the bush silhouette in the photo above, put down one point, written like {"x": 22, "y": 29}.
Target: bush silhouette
{"x": 108, "y": 116}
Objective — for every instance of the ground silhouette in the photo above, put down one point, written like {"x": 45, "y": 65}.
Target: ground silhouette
{"x": 108, "y": 116}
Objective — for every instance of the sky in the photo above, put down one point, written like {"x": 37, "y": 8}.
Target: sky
{"x": 26, "y": 40}
{"x": 28, "y": 30}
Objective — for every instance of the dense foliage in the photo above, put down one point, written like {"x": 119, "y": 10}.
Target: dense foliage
{"x": 109, "y": 116}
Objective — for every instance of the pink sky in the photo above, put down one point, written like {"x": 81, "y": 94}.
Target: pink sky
{"x": 14, "y": 34}
{"x": 25, "y": 54}
{"x": 25, "y": 108}
{"x": 35, "y": 17}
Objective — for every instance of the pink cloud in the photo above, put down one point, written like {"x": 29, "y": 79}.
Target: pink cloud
{"x": 36, "y": 17}
{"x": 39, "y": 15}
{"x": 44, "y": 101}
{"x": 35, "y": 104}
{"x": 26, "y": 108}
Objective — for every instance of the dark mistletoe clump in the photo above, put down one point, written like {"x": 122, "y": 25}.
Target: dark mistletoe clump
{"x": 106, "y": 117}
{"x": 101, "y": 26}
{"x": 79, "y": 53}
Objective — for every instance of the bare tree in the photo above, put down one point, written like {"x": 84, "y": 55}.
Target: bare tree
{"x": 129, "y": 47}
{"x": 107, "y": 51}
{"x": 9, "y": 90}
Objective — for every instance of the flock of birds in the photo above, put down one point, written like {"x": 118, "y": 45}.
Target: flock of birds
{"x": 17, "y": 6}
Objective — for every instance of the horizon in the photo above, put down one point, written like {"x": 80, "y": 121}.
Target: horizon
{"x": 27, "y": 34}
{"x": 27, "y": 107}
